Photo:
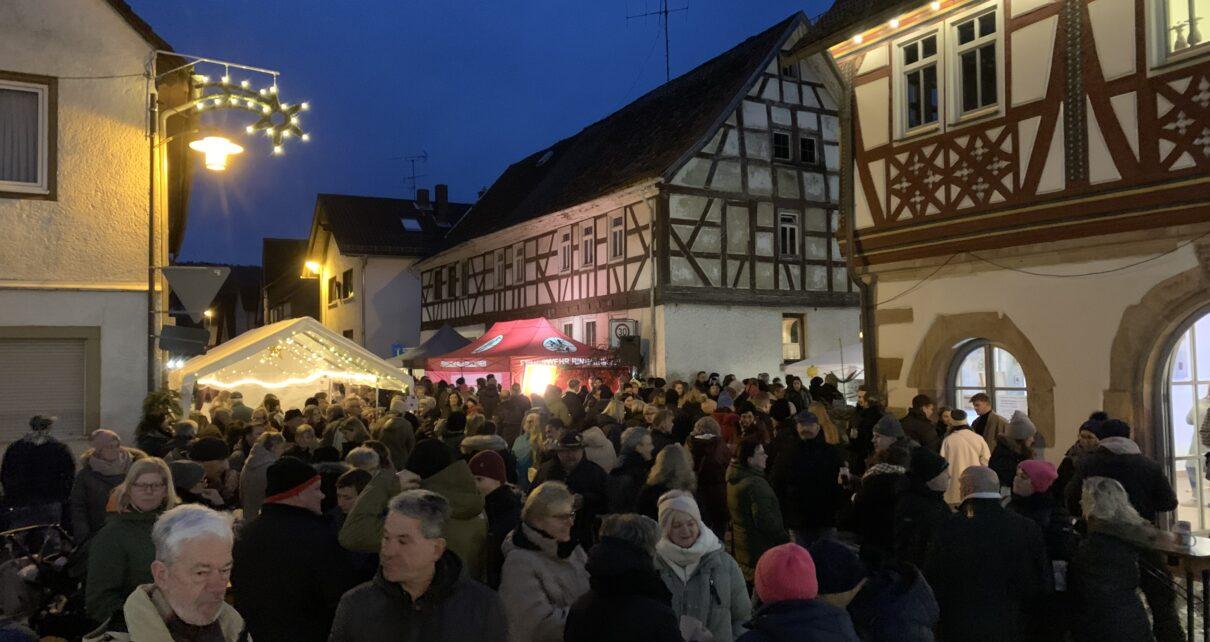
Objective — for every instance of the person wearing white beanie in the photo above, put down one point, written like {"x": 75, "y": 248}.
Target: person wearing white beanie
{"x": 706, "y": 583}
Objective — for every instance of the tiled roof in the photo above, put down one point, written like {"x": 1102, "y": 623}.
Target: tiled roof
{"x": 641, "y": 141}
{"x": 375, "y": 225}
{"x": 846, "y": 17}
{"x": 139, "y": 25}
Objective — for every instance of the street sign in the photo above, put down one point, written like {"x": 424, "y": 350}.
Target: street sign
{"x": 196, "y": 286}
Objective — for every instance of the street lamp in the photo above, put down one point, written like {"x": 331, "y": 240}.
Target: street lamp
{"x": 216, "y": 149}
{"x": 312, "y": 267}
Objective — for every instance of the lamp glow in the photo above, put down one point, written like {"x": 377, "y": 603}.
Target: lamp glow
{"x": 537, "y": 376}
{"x": 934, "y": 5}
{"x": 216, "y": 149}
{"x": 894, "y": 23}
{"x": 209, "y": 314}
{"x": 312, "y": 266}
{"x": 857, "y": 39}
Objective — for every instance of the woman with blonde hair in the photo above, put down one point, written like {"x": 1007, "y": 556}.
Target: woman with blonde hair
{"x": 1103, "y": 577}
{"x": 673, "y": 470}
{"x": 120, "y": 555}
{"x": 830, "y": 432}
{"x": 543, "y": 572}
{"x": 527, "y": 450}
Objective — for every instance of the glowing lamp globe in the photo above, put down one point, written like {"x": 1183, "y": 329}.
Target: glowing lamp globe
{"x": 312, "y": 267}
{"x": 216, "y": 149}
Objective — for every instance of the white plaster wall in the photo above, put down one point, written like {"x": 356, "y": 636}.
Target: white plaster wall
{"x": 739, "y": 340}
{"x": 392, "y": 304}
{"x": 96, "y": 230}
{"x": 1071, "y": 323}
{"x": 122, "y": 317}
{"x": 344, "y": 314}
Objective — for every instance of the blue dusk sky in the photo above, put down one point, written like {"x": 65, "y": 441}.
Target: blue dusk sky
{"x": 475, "y": 84}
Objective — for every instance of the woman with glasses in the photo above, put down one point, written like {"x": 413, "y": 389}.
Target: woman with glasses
{"x": 120, "y": 555}
{"x": 543, "y": 572}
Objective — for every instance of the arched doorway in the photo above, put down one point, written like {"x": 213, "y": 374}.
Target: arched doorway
{"x": 1186, "y": 400}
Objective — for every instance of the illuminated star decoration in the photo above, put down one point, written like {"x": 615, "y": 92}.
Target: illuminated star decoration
{"x": 277, "y": 119}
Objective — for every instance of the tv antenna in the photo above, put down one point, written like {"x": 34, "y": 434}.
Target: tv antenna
{"x": 663, "y": 12}
{"x": 410, "y": 181}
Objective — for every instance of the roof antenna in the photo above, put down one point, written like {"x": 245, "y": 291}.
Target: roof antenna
{"x": 410, "y": 180}
{"x": 663, "y": 12}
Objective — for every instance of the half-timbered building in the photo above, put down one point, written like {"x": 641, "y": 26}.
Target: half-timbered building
{"x": 701, "y": 217}
{"x": 1027, "y": 203}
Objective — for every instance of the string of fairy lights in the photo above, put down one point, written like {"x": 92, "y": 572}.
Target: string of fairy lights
{"x": 299, "y": 359}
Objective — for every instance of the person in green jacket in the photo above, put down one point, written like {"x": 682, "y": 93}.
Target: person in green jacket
{"x": 432, "y": 466}
{"x": 756, "y": 524}
{"x": 120, "y": 555}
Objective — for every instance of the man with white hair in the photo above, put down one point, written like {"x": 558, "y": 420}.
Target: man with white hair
{"x": 186, "y": 599}
{"x": 420, "y": 591}
{"x": 987, "y": 566}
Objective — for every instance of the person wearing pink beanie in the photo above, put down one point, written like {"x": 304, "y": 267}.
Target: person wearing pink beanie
{"x": 787, "y": 587}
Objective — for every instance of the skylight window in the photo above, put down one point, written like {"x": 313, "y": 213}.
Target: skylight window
{"x": 545, "y": 157}
{"x": 411, "y": 224}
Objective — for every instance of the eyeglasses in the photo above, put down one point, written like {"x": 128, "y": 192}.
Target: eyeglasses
{"x": 570, "y": 517}
{"x": 154, "y": 486}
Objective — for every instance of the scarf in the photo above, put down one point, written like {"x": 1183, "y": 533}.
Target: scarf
{"x": 118, "y": 466}
{"x": 37, "y": 437}
{"x": 884, "y": 469}
{"x": 1120, "y": 446}
{"x": 684, "y": 561}
{"x": 536, "y": 539}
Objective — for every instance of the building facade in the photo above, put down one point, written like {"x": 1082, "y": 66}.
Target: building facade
{"x": 359, "y": 256}
{"x": 74, "y": 207}
{"x": 1030, "y": 209}
{"x": 700, "y": 217}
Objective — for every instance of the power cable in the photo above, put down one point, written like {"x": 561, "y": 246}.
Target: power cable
{"x": 1178, "y": 247}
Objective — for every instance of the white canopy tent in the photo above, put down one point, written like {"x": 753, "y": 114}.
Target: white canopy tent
{"x": 843, "y": 361}
{"x": 292, "y": 359}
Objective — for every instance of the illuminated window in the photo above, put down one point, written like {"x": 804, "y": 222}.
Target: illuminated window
{"x": 793, "y": 337}
{"x": 920, "y": 90}
{"x": 984, "y": 367}
{"x": 1184, "y": 24}
{"x": 346, "y": 290}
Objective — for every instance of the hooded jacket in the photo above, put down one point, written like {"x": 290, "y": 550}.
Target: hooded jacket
{"x": 714, "y": 594}
{"x": 119, "y": 560}
{"x": 254, "y": 478}
{"x": 808, "y": 620}
{"x": 541, "y": 580}
{"x": 141, "y": 621}
{"x": 626, "y": 600}
{"x": 453, "y": 608}
{"x": 896, "y": 604}
{"x": 756, "y": 522}
{"x": 1120, "y": 458}
{"x": 598, "y": 449}
{"x": 466, "y": 532}
{"x": 91, "y": 488}
{"x": 478, "y": 443}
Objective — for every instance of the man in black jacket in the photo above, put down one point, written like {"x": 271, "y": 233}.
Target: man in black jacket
{"x": 861, "y": 429}
{"x": 37, "y": 474}
{"x": 1118, "y": 457}
{"x": 806, "y": 481}
{"x": 420, "y": 591}
{"x": 289, "y": 572}
{"x": 987, "y": 565}
{"x": 586, "y": 480}
{"x": 918, "y": 423}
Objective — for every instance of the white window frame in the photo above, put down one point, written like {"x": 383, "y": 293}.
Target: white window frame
{"x": 617, "y": 237}
{"x": 815, "y": 147}
{"x": 501, "y": 267}
{"x": 588, "y": 243}
{"x": 899, "y": 84}
{"x": 569, "y": 329}
{"x": 566, "y": 243}
{"x": 42, "y": 186}
{"x": 773, "y": 133}
{"x": 584, "y": 332}
{"x": 1158, "y": 56}
{"x": 795, "y": 235}
{"x": 953, "y": 64}
{"x": 519, "y": 264}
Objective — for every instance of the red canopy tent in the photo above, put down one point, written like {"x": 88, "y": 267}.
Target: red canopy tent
{"x": 508, "y": 346}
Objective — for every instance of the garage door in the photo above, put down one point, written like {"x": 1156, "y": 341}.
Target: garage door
{"x": 41, "y": 377}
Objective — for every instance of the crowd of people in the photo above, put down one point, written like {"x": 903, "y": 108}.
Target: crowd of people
{"x": 717, "y": 509}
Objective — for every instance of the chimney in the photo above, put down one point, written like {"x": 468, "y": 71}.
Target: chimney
{"x": 443, "y": 195}
{"x": 422, "y": 198}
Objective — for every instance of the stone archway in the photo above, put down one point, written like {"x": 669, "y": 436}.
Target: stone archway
{"x": 1145, "y": 337}
{"x": 944, "y": 340}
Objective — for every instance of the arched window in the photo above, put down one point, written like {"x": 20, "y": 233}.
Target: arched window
{"x": 982, "y": 366}
{"x": 1188, "y": 400}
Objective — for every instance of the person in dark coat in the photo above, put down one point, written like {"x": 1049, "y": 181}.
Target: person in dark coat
{"x": 626, "y": 599}
{"x": 1086, "y": 442}
{"x": 501, "y": 502}
{"x": 153, "y": 435}
{"x": 1012, "y": 448}
{"x": 586, "y": 480}
{"x": 873, "y": 511}
{"x": 1119, "y": 458}
{"x": 922, "y": 508}
{"x": 420, "y": 592}
{"x": 1105, "y": 572}
{"x": 987, "y": 565}
{"x": 288, "y": 572}
{"x": 861, "y": 429}
{"x": 686, "y": 417}
{"x": 710, "y": 459}
{"x": 805, "y": 479}
{"x": 628, "y": 477}
{"x": 786, "y": 584}
{"x": 1031, "y": 498}
{"x": 891, "y": 604}
{"x": 37, "y": 473}
{"x": 918, "y": 424}
{"x": 574, "y": 403}
{"x": 102, "y": 467}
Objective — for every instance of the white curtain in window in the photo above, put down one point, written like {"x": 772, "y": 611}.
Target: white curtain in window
{"x": 18, "y": 136}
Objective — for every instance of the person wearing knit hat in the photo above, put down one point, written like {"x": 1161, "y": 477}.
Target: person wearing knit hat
{"x": 692, "y": 562}
{"x": 282, "y": 555}
{"x": 212, "y": 453}
{"x": 787, "y": 587}
{"x": 962, "y": 448}
{"x": 805, "y": 475}
{"x": 429, "y": 457}
{"x": 922, "y": 508}
{"x": 586, "y": 480}
{"x": 1013, "y": 446}
{"x": 189, "y": 479}
{"x": 501, "y": 502}
{"x": 892, "y": 602}
{"x": 887, "y": 432}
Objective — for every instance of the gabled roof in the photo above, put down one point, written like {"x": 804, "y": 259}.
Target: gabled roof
{"x": 375, "y": 225}
{"x": 846, "y": 17}
{"x": 644, "y": 140}
{"x": 139, "y": 25}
